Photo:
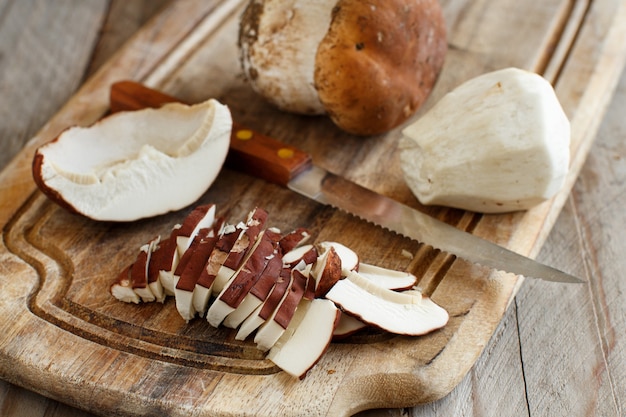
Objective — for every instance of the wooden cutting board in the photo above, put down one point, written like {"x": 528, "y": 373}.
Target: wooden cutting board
{"x": 65, "y": 336}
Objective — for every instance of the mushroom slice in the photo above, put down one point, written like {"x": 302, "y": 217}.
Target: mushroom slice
{"x": 401, "y": 313}
{"x": 199, "y": 253}
{"x": 180, "y": 239}
{"x": 154, "y": 282}
{"x": 347, "y": 326}
{"x": 275, "y": 325}
{"x": 300, "y": 257}
{"x": 347, "y": 259}
{"x": 306, "y": 253}
{"x": 201, "y": 217}
{"x": 499, "y": 142}
{"x": 327, "y": 271}
{"x": 139, "y": 271}
{"x": 136, "y": 164}
{"x": 247, "y": 238}
{"x": 388, "y": 278}
{"x": 165, "y": 260}
{"x": 257, "y": 294}
{"x": 122, "y": 289}
{"x": 204, "y": 286}
{"x": 294, "y": 239}
{"x": 310, "y": 339}
{"x": 244, "y": 278}
{"x": 265, "y": 311}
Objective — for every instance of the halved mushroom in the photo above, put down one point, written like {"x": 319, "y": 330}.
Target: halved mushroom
{"x": 401, "y": 313}
{"x": 136, "y": 164}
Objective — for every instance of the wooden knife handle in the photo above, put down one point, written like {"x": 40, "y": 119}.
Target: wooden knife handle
{"x": 250, "y": 152}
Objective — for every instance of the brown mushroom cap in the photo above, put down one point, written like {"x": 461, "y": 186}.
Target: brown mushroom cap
{"x": 379, "y": 61}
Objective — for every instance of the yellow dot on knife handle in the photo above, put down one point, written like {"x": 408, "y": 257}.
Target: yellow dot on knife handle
{"x": 285, "y": 153}
{"x": 244, "y": 134}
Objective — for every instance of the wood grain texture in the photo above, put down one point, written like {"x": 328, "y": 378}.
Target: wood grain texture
{"x": 33, "y": 35}
{"x": 506, "y": 363}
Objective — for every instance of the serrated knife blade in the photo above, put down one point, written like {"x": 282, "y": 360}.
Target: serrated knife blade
{"x": 274, "y": 161}
{"x": 328, "y": 188}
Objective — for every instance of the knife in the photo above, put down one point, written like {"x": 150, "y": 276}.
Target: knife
{"x": 285, "y": 165}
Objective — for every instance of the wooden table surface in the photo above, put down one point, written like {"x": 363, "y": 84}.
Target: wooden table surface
{"x": 559, "y": 351}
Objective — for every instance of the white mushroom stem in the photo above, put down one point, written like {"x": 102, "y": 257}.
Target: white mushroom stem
{"x": 288, "y": 74}
{"x": 497, "y": 143}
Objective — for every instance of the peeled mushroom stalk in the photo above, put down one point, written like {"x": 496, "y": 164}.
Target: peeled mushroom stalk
{"x": 499, "y": 142}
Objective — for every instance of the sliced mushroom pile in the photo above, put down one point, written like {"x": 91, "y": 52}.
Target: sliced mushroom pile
{"x": 291, "y": 296}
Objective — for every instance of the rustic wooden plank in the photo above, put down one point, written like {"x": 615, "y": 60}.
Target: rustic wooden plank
{"x": 98, "y": 42}
{"x": 42, "y": 62}
{"x": 42, "y": 65}
{"x": 123, "y": 20}
{"x": 589, "y": 373}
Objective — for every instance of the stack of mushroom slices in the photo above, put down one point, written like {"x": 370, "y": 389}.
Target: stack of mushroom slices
{"x": 292, "y": 297}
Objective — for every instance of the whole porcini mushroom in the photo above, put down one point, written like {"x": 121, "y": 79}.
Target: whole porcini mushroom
{"x": 136, "y": 164}
{"x": 499, "y": 142}
{"x": 368, "y": 65}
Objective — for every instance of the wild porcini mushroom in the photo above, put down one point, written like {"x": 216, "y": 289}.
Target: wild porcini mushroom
{"x": 368, "y": 65}
{"x": 136, "y": 164}
{"x": 497, "y": 143}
